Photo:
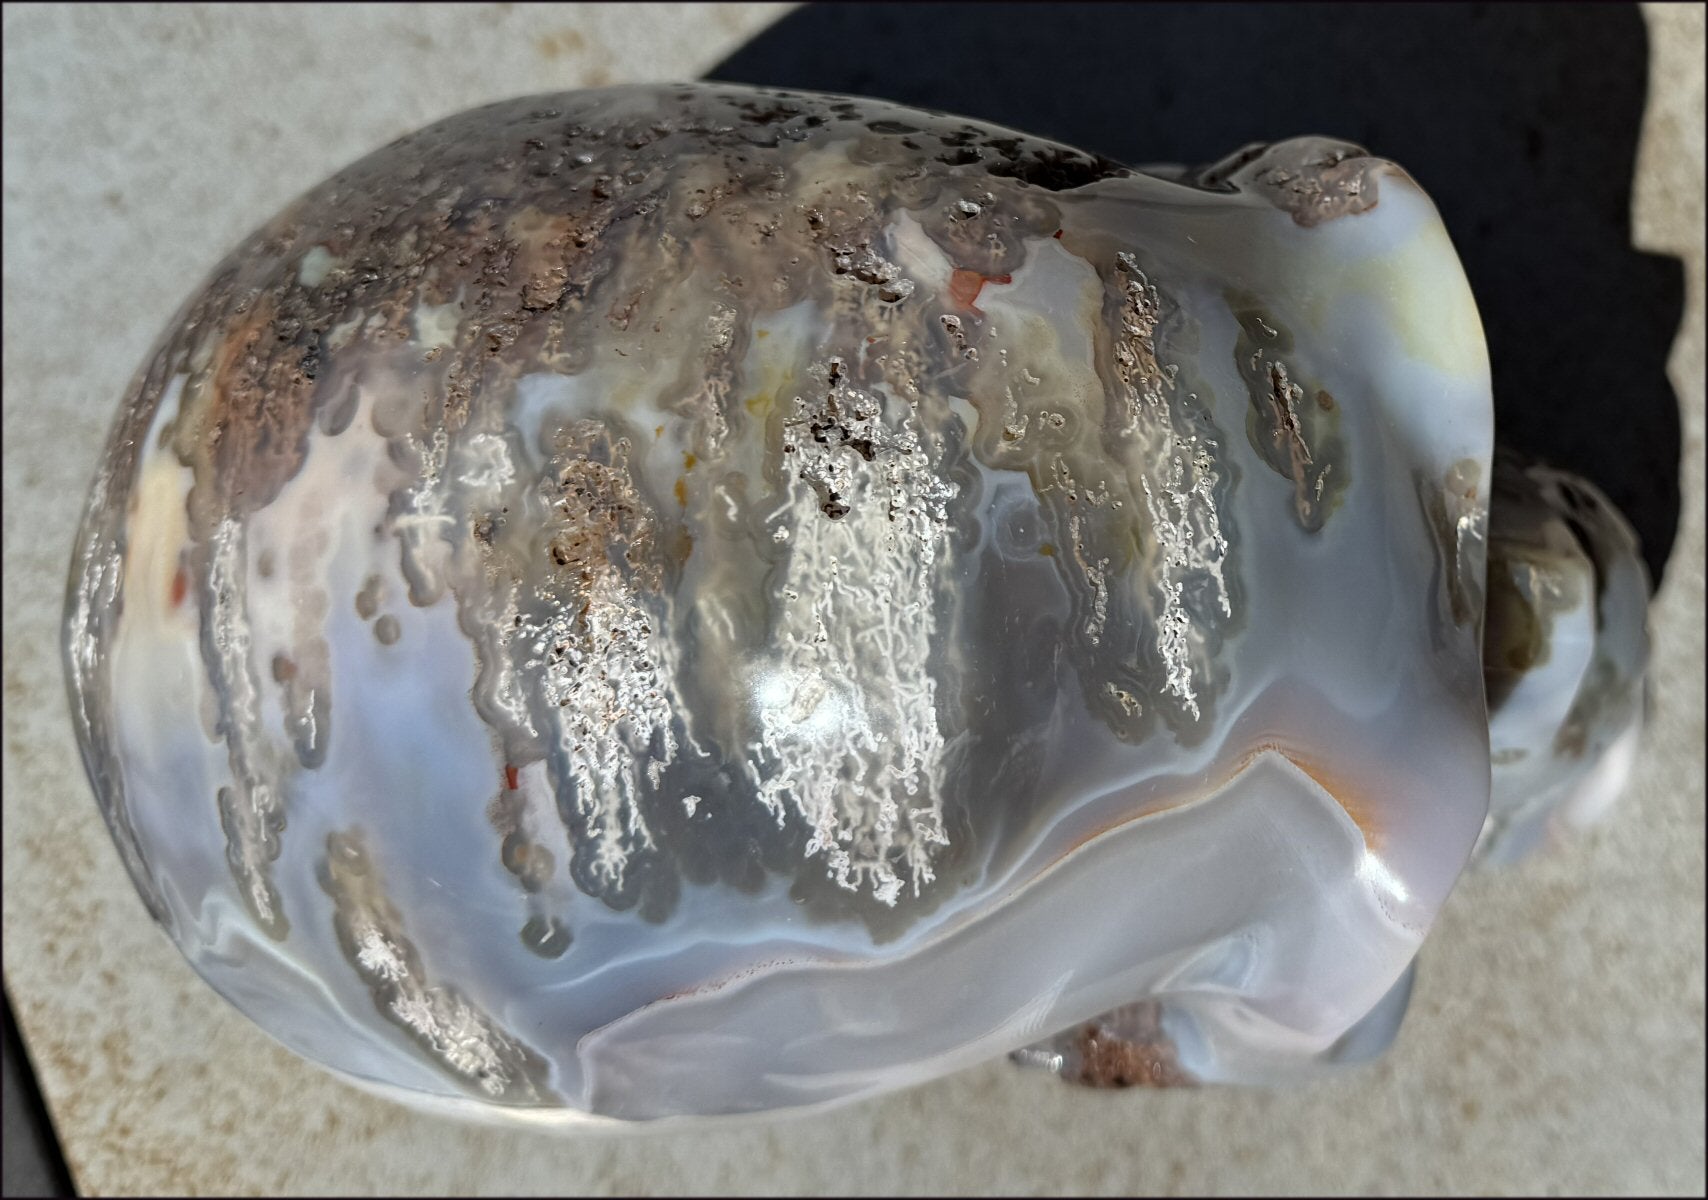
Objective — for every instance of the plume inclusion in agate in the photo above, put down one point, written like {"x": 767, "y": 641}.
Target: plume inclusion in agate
{"x": 681, "y": 601}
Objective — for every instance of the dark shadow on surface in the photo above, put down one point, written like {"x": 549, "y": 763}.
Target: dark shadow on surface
{"x": 1521, "y": 121}
{"x": 30, "y": 1159}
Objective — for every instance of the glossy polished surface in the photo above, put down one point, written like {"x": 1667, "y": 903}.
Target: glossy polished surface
{"x": 680, "y": 601}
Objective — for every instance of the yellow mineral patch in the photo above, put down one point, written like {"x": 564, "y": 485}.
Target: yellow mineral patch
{"x": 770, "y": 367}
{"x": 1421, "y": 290}
{"x": 157, "y": 534}
{"x": 776, "y": 375}
{"x": 1432, "y": 306}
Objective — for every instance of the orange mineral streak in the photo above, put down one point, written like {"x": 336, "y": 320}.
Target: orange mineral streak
{"x": 512, "y": 777}
{"x": 1358, "y": 807}
{"x": 180, "y": 586}
{"x": 1359, "y": 810}
{"x": 965, "y": 286}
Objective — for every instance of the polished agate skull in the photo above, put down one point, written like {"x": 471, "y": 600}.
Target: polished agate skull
{"x": 676, "y": 601}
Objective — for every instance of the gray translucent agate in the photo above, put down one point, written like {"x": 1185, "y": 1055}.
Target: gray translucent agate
{"x": 1565, "y": 652}
{"x": 691, "y": 600}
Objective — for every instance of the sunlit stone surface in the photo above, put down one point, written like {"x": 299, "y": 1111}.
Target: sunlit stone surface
{"x": 691, "y": 600}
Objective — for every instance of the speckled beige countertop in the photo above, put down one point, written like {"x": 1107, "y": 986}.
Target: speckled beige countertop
{"x": 1555, "y": 1042}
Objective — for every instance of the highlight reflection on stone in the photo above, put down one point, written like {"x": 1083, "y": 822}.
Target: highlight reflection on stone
{"x": 689, "y": 600}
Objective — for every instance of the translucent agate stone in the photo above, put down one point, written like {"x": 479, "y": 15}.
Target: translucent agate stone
{"x": 679, "y": 601}
{"x": 1565, "y": 651}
